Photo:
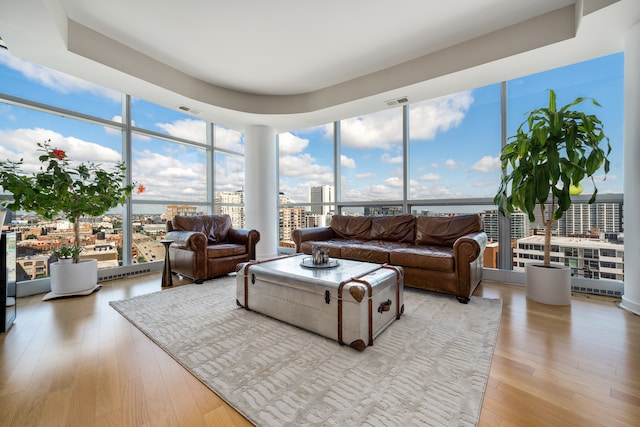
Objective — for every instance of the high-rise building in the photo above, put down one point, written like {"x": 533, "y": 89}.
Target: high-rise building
{"x": 584, "y": 218}
{"x": 183, "y": 210}
{"x": 608, "y": 217}
{"x": 577, "y": 220}
{"x": 519, "y": 224}
{"x": 588, "y": 258}
{"x": 382, "y": 210}
{"x": 291, "y": 217}
{"x": 319, "y": 196}
{"x": 232, "y": 204}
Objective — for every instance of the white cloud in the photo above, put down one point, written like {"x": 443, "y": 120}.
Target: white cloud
{"x": 378, "y": 130}
{"x": 487, "y": 164}
{"x": 165, "y": 174}
{"x": 232, "y": 179}
{"x": 22, "y": 144}
{"x": 118, "y": 132}
{"x": 161, "y": 173}
{"x": 386, "y": 158}
{"x": 450, "y": 164}
{"x": 394, "y": 181}
{"x": 434, "y": 165}
{"x": 191, "y": 129}
{"x": 432, "y": 191}
{"x": 347, "y": 162}
{"x": 289, "y": 143}
{"x": 373, "y": 192}
{"x": 228, "y": 138}
{"x": 430, "y": 177}
{"x": 55, "y": 80}
{"x": 486, "y": 183}
{"x": 304, "y": 165}
{"x": 366, "y": 175}
{"x": 440, "y": 114}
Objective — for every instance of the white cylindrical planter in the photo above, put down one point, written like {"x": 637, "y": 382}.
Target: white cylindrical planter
{"x": 72, "y": 279}
{"x": 548, "y": 285}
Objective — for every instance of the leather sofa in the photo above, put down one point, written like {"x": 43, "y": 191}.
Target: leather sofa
{"x": 443, "y": 254}
{"x": 208, "y": 246}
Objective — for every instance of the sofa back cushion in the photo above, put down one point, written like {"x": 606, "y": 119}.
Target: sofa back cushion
{"x": 444, "y": 230}
{"x": 215, "y": 227}
{"x": 351, "y": 227}
{"x": 398, "y": 228}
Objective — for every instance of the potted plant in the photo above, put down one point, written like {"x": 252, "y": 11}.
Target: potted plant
{"x": 544, "y": 163}
{"x": 67, "y": 252}
{"x": 72, "y": 190}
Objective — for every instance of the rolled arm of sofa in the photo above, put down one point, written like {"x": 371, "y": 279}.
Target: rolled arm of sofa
{"x": 313, "y": 233}
{"x": 188, "y": 240}
{"x": 246, "y": 237}
{"x": 469, "y": 247}
{"x": 468, "y": 254}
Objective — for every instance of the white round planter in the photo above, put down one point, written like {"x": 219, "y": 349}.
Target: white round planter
{"x": 71, "y": 279}
{"x": 548, "y": 285}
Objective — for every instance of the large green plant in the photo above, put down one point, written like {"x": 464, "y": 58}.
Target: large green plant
{"x": 62, "y": 188}
{"x": 552, "y": 151}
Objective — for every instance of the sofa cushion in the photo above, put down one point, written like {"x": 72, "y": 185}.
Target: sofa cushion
{"x": 370, "y": 251}
{"x": 188, "y": 223}
{"x": 427, "y": 257}
{"x": 398, "y": 228}
{"x": 333, "y": 245}
{"x": 445, "y": 230}
{"x": 215, "y": 227}
{"x": 220, "y": 226}
{"x": 222, "y": 250}
{"x": 351, "y": 227}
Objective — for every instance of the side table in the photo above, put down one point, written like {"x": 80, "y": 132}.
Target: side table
{"x": 166, "y": 275}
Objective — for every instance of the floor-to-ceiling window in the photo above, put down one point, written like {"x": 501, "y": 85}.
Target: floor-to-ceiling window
{"x": 447, "y": 163}
{"x": 586, "y": 232}
{"x": 306, "y": 179}
{"x": 453, "y": 165}
{"x": 371, "y": 163}
{"x": 170, "y": 156}
{"x": 228, "y": 178}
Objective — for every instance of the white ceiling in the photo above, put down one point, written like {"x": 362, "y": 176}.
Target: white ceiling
{"x": 293, "y": 63}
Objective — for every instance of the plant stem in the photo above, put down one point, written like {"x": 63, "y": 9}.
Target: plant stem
{"x": 76, "y": 233}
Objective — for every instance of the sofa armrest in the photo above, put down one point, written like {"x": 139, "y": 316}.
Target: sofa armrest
{"x": 468, "y": 254}
{"x": 246, "y": 237}
{"x": 469, "y": 247}
{"x": 313, "y": 233}
{"x": 188, "y": 240}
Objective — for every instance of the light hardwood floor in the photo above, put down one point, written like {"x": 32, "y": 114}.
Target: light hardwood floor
{"x": 77, "y": 362}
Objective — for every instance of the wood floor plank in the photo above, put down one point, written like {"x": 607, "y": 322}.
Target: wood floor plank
{"x": 77, "y": 362}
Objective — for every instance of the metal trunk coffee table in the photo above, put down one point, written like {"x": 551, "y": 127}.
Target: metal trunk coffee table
{"x": 351, "y": 302}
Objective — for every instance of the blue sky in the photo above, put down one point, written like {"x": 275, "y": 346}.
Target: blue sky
{"x": 454, "y": 149}
{"x": 455, "y": 140}
{"x": 160, "y": 165}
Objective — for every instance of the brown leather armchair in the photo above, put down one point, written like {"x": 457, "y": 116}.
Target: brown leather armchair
{"x": 208, "y": 246}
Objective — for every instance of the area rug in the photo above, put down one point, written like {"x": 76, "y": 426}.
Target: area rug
{"x": 429, "y": 368}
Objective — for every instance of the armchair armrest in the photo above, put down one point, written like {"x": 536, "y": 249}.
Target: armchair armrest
{"x": 189, "y": 240}
{"x": 246, "y": 237}
{"x": 313, "y": 233}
